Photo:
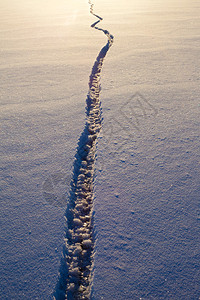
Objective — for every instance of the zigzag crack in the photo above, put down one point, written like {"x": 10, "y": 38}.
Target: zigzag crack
{"x": 77, "y": 264}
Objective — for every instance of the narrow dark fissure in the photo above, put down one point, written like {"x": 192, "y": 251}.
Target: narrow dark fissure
{"x": 77, "y": 263}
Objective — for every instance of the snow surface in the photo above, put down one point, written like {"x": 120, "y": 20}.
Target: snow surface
{"x": 147, "y": 170}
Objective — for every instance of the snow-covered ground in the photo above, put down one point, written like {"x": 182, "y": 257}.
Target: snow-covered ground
{"x": 146, "y": 208}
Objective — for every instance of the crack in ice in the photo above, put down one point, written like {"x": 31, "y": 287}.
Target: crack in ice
{"x": 77, "y": 262}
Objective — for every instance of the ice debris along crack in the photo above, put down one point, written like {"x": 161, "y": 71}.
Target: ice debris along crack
{"x": 77, "y": 263}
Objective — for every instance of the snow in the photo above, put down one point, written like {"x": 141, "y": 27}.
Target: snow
{"x": 147, "y": 183}
{"x": 146, "y": 206}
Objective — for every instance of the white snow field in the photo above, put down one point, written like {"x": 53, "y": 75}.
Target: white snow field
{"x": 146, "y": 210}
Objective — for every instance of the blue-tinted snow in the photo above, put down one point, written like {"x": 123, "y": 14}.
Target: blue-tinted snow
{"x": 147, "y": 177}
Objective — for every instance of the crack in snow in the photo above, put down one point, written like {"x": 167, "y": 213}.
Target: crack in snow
{"x": 77, "y": 264}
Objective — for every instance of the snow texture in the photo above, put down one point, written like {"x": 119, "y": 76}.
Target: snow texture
{"x": 76, "y": 266}
{"x": 145, "y": 193}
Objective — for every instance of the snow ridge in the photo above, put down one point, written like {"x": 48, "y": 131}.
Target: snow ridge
{"x": 77, "y": 263}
